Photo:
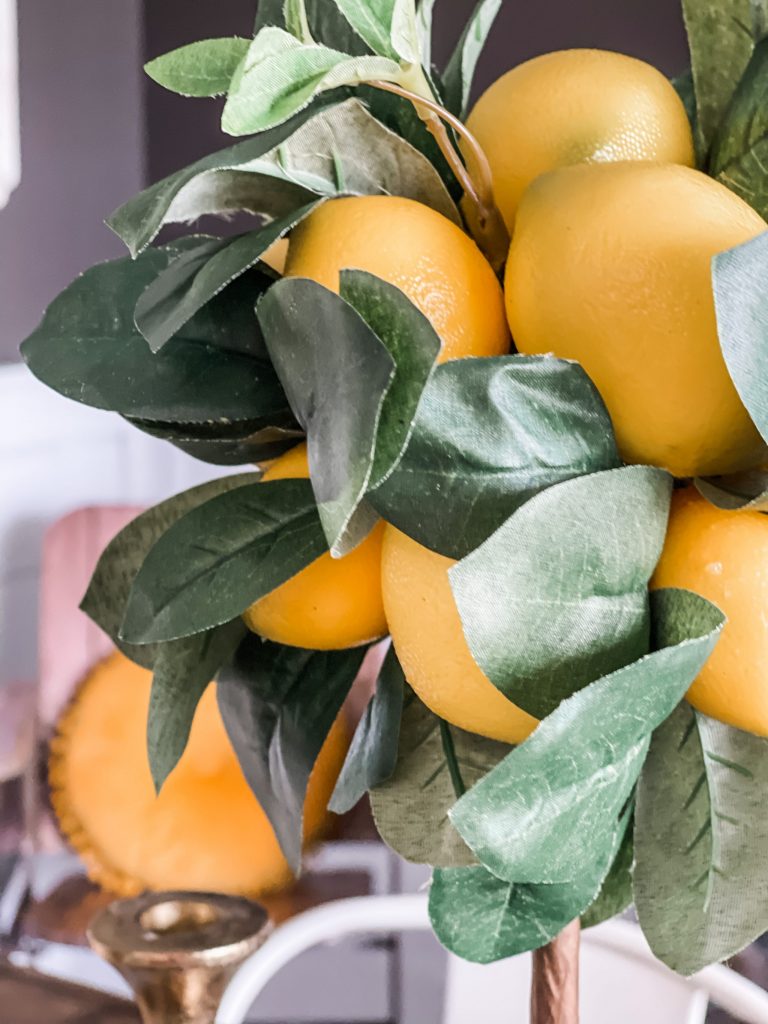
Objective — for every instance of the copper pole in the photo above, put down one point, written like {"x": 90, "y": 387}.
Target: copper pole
{"x": 555, "y": 981}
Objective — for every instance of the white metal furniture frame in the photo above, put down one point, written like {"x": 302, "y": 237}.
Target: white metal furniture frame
{"x": 621, "y": 979}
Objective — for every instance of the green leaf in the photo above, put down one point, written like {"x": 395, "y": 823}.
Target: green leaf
{"x": 281, "y": 76}
{"x": 741, "y": 304}
{"x": 683, "y": 86}
{"x": 424, "y": 20}
{"x": 489, "y": 434}
{"x": 551, "y": 803}
{"x": 220, "y": 557}
{"x": 88, "y": 348}
{"x": 616, "y": 891}
{"x": 721, "y": 36}
{"x": 701, "y": 877}
{"x": 482, "y": 918}
{"x": 326, "y": 23}
{"x": 204, "y": 68}
{"x": 200, "y": 274}
{"x": 181, "y": 677}
{"x": 372, "y": 756}
{"x": 740, "y": 147}
{"x": 353, "y": 390}
{"x": 388, "y": 27}
{"x": 747, "y": 490}
{"x": 460, "y": 70}
{"x": 296, "y": 21}
{"x": 558, "y": 595}
{"x": 235, "y": 444}
{"x": 107, "y": 595}
{"x": 435, "y": 762}
{"x": 269, "y": 12}
{"x": 278, "y": 704}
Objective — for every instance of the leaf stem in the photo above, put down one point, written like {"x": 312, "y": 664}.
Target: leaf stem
{"x": 449, "y": 749}
{"x": 485, "y": 220}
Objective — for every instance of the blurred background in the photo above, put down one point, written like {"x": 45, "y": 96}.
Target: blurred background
{"x": 93, "y": 131}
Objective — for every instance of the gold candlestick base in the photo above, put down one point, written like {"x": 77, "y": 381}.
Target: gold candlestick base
{"x": 178, "y": 950}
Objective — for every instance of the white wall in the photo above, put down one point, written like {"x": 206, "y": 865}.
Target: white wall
{"x": 56, "y": 456}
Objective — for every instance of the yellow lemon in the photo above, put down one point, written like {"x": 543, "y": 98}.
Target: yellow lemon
{"x": 576, "y": 106}
{"x": 723, "y": 556}
{"x": 409, "y": 245}
{"x": 205, "y": 831}
{"x": 429, "y": 641}
{"x": 610, "y": 265}
{"x": 333, "y": 602}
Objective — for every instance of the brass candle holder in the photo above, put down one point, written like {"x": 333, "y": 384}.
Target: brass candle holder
{"x": 178, "y": 950}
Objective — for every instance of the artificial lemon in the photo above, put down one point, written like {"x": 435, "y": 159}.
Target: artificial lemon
{"x": 439, "y": 268}
{"x": 205, "y": 830}
{"x": 426, "y": 631}
{"x": 333, "y": 602}
{"x": 723, "y": 556}
{"x": 576, "y": 106}
{"x": 610, "y": 265}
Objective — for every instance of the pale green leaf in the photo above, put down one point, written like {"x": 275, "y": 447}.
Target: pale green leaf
{"x": 489, "y": 434}
{"x": 558, "y": 595}
{"x": 424, "y": 19}
{"x": 205, "y": 68}
{"x": 551, "y": 803}
{"x": 741, "y": 304}
{"x": 280, "y": 76}
{"x": 372, "y": 756}
{"x": 460, "y": 70}
{"x": 435, "y": 762}
{"x": 701, "y": 877}
{"x": 220, "y": 557}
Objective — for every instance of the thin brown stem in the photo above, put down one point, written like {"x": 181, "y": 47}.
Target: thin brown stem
{"x": 485, "y": 221}
{"x": 555, "y": 981}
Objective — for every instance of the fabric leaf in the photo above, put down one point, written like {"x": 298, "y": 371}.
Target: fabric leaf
{"x": 460, "y": 71}
{"x": 205, "y": 68}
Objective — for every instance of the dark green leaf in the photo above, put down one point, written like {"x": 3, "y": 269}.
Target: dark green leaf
{"x": 278, "y": 704}
{"x": 280, "y": 77}
{"x": 204, "y": 68}
{"x": 411, "y": 807}
{"x": 740, "y": 147}
{"x": 683, "y": 85}
{"x": 551, "y": 803}
{"x": 181, "y": 676}
{"x": 701, "y": 877}
{"x": 296, "y": 22}
{"x": 200, "y": 274}
{"x": 616, "y": 891}
{"x": 269, "y": 12}
{"x": 741, "y": 304}
{"x": 481, "y": 918}
{"x": 88, "y": 348}
{"x": 107, "y": 595}
{"x": 739, "y": 491}
{"x": 215, "y": 561}
{"x": 373, "y": 754}
{"x": 388, "y": 27}
{"x": 558, "y": 595}
{"x": 488, "y": 435}
{"x": 460, "y": 70}
{"x": 721, "y": 35}
{"x": 327, "y": 24}
{"x": 353, "y": 389}
{"x": 238, "y": 444}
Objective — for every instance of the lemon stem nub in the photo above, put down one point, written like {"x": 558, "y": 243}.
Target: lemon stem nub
{"x": 484, "y": 219}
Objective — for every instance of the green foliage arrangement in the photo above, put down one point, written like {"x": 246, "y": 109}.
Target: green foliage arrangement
{"x": 624, "y": 793}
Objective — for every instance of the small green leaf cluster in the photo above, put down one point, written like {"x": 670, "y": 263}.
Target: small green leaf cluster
{"x": 507, "y": 465}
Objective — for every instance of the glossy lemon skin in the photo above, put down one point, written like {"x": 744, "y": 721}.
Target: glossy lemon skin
{"x": 723, "y": 556}
{"x": 576, "y": 106}
{"x": 409, "y": 245}
{"x": 205, "y": 831}
{"x": 426, "y": 631}
{"x": 334, "y": 602}
{"x": 610, "y": 265}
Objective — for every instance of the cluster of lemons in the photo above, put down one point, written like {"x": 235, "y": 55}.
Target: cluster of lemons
{"x": 613, "y": 232}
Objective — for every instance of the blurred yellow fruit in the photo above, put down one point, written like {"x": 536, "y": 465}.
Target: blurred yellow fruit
{"x": 429, "y": 641}
{"x": 439, "y": 268}
{"x": 610, "y": 265}
{"x": 723, "y": 556}
{"x": 333, "y": 602}
{"x": 205, "y": 831}
{"x": 576, "y": 106}
{"x": 276, "y": 255}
